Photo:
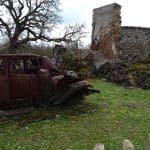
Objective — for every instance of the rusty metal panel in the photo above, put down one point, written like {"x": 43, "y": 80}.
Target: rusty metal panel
{"x": 46, "y": 88}
{"x": 23, "y": 75}
{"x": 35, "y": 86}
{"x": 4, "y": 89}
{"x": 4, "y": 82}
{"x": 24, "y": 86}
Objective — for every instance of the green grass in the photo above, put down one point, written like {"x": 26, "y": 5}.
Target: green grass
{"x": 109, "y": 118}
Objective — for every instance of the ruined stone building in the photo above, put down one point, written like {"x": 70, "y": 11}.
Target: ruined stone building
{"x": 110, "y": 39}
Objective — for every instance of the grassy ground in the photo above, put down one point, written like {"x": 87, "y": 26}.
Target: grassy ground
{"x": 114, "y": 115}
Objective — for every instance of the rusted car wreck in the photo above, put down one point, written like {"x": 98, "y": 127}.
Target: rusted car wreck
{"x": 30, "y": 80}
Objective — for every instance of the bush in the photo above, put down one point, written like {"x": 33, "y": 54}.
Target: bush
{"x": 82, "y": 66}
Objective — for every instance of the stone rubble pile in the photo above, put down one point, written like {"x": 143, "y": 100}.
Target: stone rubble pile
{"x": 136, "y": 73}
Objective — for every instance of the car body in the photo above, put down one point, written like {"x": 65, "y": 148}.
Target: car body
{"x": 30, "y": 80}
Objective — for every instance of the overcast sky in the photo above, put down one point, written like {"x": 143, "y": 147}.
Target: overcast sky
{"x": 133, "y": 12}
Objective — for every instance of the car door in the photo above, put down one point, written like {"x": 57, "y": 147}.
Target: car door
{"x": 24, "y": 81}
{"x": 4, "y": 82}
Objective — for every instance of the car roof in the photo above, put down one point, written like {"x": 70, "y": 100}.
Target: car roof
{"x": 18, "y": 55}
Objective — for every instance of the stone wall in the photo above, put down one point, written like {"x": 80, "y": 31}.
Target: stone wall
{"x": 110, "y": 39}
{"x": 135, "y": 40}
{"x": 106, "y": 33}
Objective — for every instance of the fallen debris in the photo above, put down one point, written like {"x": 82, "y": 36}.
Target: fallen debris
{"x": 132, "y": 74}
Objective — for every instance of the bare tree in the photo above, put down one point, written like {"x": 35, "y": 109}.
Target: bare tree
{"x": 25, "y": 20}
{"x": 22, "y": 21}
{"x": 74, "y": 33}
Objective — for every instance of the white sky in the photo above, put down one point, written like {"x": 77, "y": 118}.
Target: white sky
{"x": 133, "y": 12}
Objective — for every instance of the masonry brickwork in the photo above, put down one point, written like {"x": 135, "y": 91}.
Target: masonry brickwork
{"x": 135, "y": 40}
{"x": 110, "y": 39}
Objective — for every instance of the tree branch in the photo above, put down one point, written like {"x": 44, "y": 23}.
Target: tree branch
{"x": 5, "y": 25}
{"x": 20, "y": 9}
{"x": 30, "y": 20}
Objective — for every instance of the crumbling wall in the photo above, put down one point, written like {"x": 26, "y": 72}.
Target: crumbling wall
{"x": 135, "y": 40}
{"x": 106, "y": 33}
{"x": 122, "y": 48}
{"x": 110, "y": 40}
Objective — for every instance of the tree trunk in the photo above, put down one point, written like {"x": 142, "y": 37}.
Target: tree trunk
{"x": 13, "y": 46}
{"x": 11, "y": 50}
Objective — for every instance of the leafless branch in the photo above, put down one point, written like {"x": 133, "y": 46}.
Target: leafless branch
{"x": 31, "y": 20}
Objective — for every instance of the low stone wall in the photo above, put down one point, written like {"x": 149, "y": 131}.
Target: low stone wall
{"x": 126, "y": 145}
